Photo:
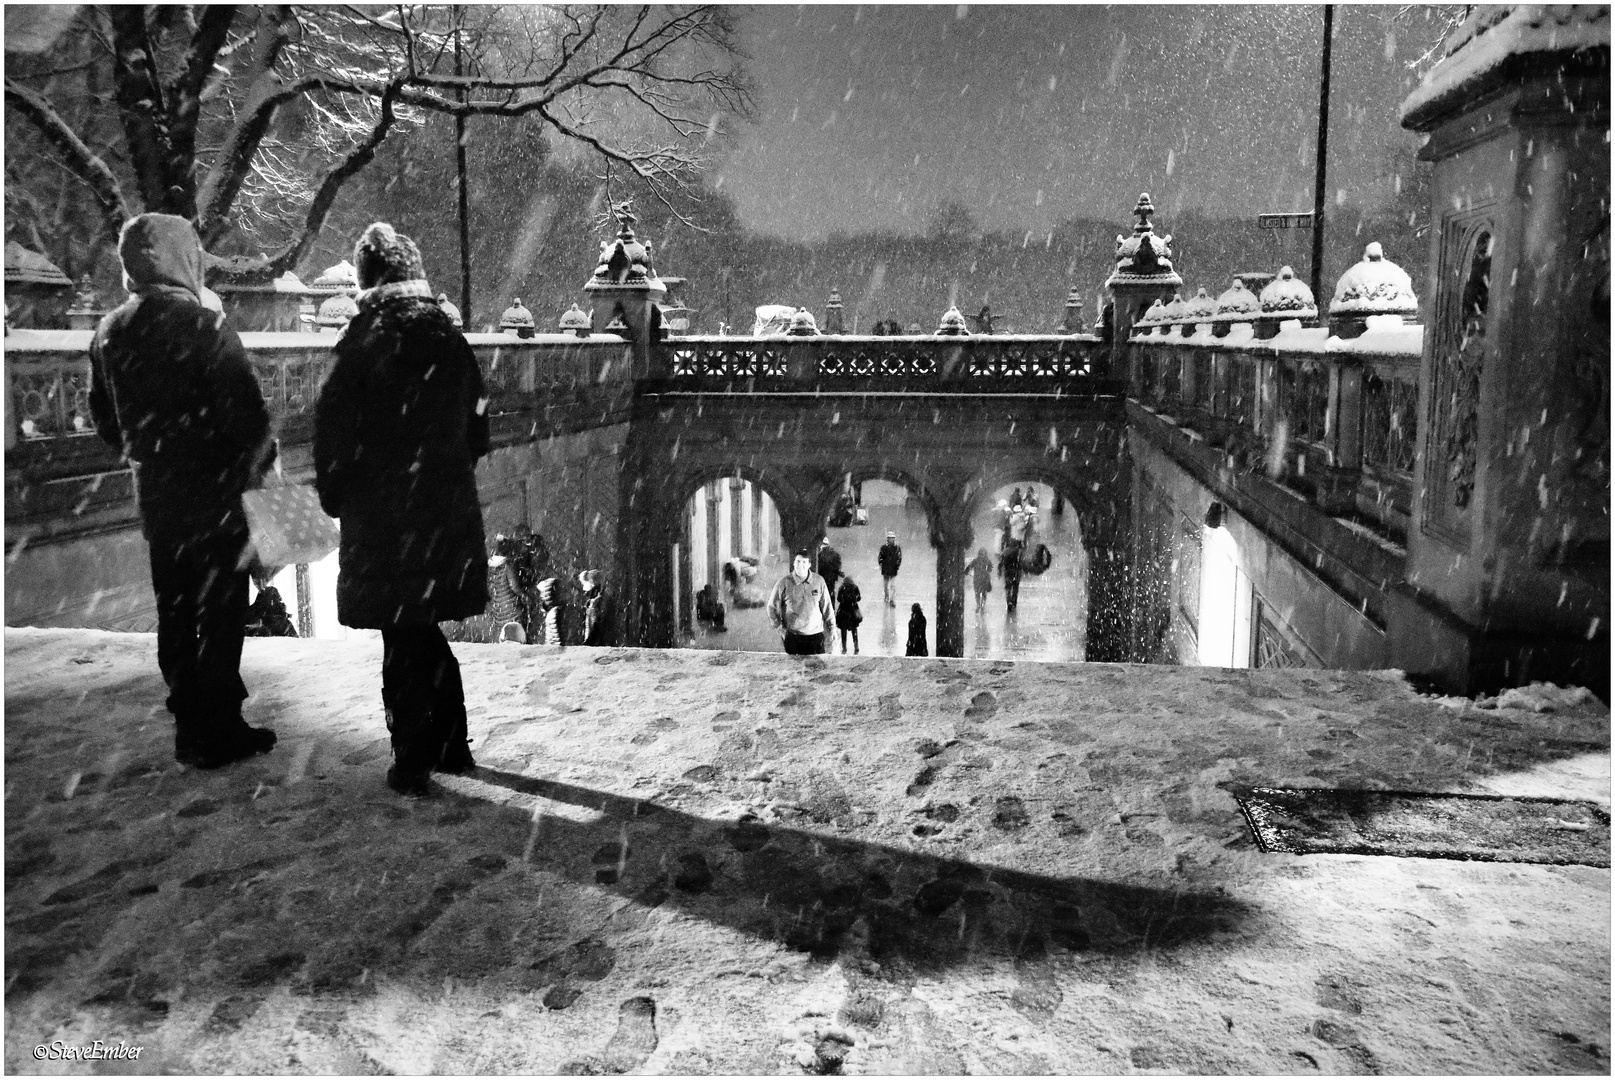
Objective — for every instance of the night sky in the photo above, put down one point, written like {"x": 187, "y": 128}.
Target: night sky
{"x": 868, "y": 117}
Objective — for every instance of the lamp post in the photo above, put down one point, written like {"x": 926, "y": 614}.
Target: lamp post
{"x": 1323, "y": 151}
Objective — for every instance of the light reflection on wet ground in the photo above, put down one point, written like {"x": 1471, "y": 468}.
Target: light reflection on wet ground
{"x": 1050, "y": 622}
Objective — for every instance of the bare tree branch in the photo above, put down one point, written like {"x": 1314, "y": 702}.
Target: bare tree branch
{"x": 83, "y": 161}
{"x": 139, "y": 102}
{"x": 229, "y": 168}
{"x": 325, "y": 197}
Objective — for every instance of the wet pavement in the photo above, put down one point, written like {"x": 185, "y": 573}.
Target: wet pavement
{"x": 1050, "y": 621}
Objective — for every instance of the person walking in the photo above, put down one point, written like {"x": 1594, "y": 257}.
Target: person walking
{"x": 799, "y": 609}
{"x": 847, "y": 614}
{"x": 1009, "y": 568}
{"x": 829, "y": 564}
{"x": 398, "y": 428}
{"x": 890, "y": 560}
{"x": 980, "y": 570}
{"x": 916, "y": 632}
{"x": 172, "y": 389}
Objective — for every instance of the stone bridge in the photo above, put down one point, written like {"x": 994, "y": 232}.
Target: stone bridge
{"x": 949, "y": 448}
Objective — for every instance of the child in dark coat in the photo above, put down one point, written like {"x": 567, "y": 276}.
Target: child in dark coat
{"x": 916, "y": 633}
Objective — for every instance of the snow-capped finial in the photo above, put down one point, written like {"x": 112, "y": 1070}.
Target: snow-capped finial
{"x": 1144, "y": 209}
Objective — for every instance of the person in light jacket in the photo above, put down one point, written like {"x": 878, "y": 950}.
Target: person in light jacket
{"x": 799, "y": 609}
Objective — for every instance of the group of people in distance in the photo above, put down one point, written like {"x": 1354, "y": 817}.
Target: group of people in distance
{"x": 815, "y": 598}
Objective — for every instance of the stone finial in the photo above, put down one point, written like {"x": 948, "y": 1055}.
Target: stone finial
{"x": 336, "y": 311}
{"x": 1288, "y": 297}
{"x": 834, "y": 316}
{"x": 1143, "y": 258}
{"x": 343, "y": 277}
{"x": 1201, "y": 307}
{"x": 625, "y": 262}
{"x": 1375, "y": 286}
{"x": 1144, "y": 209}
{"x": 1072, "y": 322}
{"x": 953, "y": 324}
{"x": 1154, "y": 317}
{"x": 574, "y": 320}
{"x": 517, "y": 320}
{"x": 1237, "y": 303}
{"x": 802, "y": 324}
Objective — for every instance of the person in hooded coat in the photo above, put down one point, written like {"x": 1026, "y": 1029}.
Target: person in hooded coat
{"x": 916, "y": 632}
{"x": 172, "y": 388}
{"x": 398, "y": 428}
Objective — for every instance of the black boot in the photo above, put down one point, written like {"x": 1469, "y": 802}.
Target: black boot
{"x": 227, "y": 743}
{"x": 415, "y": 751}
{"x": 456, "y": 759}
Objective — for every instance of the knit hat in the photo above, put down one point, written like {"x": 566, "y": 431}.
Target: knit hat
{"x": 383, "y": 256}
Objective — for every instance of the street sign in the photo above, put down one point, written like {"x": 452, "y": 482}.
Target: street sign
{"x": 1284, "y": 221}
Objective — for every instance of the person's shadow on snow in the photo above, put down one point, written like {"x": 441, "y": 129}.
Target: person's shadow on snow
{"x": 826, "y": 894}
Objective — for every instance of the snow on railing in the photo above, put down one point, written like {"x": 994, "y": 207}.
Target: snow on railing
{"x": 928, "y": 357}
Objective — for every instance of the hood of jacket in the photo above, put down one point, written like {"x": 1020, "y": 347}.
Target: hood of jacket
{"x": 161, "y": 254}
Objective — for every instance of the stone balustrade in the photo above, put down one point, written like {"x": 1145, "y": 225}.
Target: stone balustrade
{"x": 845, "y": 361}
{"x": 1333, "y": 418}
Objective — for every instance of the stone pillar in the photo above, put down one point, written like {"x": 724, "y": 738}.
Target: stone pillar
{"x": 686, "y": 570}
{"x": 755, "y": 549}
{"x": 714, "y": 495}
{"x": 625, "y": 283}
{"x": 1343, "y": 439}
{"x": 305, "y": 603}
{"x": 737, "y": 518}
{"x": 1142, "y": 276}
{"x": 1508, "y": 554}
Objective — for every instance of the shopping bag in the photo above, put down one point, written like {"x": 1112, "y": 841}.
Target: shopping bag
{"x": 287, "y": 526}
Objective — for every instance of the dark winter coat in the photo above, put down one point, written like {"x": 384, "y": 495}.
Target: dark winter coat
{"x": 172, "y": 388}
{"x": 981, "y": 570}
{"x": 916, "y": 635}
{"x": 829, "y": 565}
{"x": 400, "y": 423}
{"x": 847, "y": 614}
{"x": 890, "y": 558}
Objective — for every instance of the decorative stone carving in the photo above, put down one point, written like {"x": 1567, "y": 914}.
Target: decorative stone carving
{"x": 953, "y": 324}
{"x": 834, "y": 317}
{"x": 342, "y": 277}
{"x": 1143, "y": 258}
{"x": 574, "y": 320}
{"x": 517, "y": 320}
{"x": 335, "y": 313}
{"x": 1375, "y": 286}
{"x": 802, "y": 325}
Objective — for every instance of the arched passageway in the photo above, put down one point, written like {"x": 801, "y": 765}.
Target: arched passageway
{"x": 1050, "y": 619}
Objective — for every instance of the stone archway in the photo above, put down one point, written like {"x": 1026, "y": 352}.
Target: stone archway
{"x": 1104, "y": 517}
{"x": 914, "y": 521}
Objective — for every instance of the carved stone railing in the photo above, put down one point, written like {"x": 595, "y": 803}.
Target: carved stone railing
{"x": 1335, "y": 419}
{"x": 1056, "y": 363}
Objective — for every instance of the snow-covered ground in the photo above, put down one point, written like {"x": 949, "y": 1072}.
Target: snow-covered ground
{"x": 901, "y": 865}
